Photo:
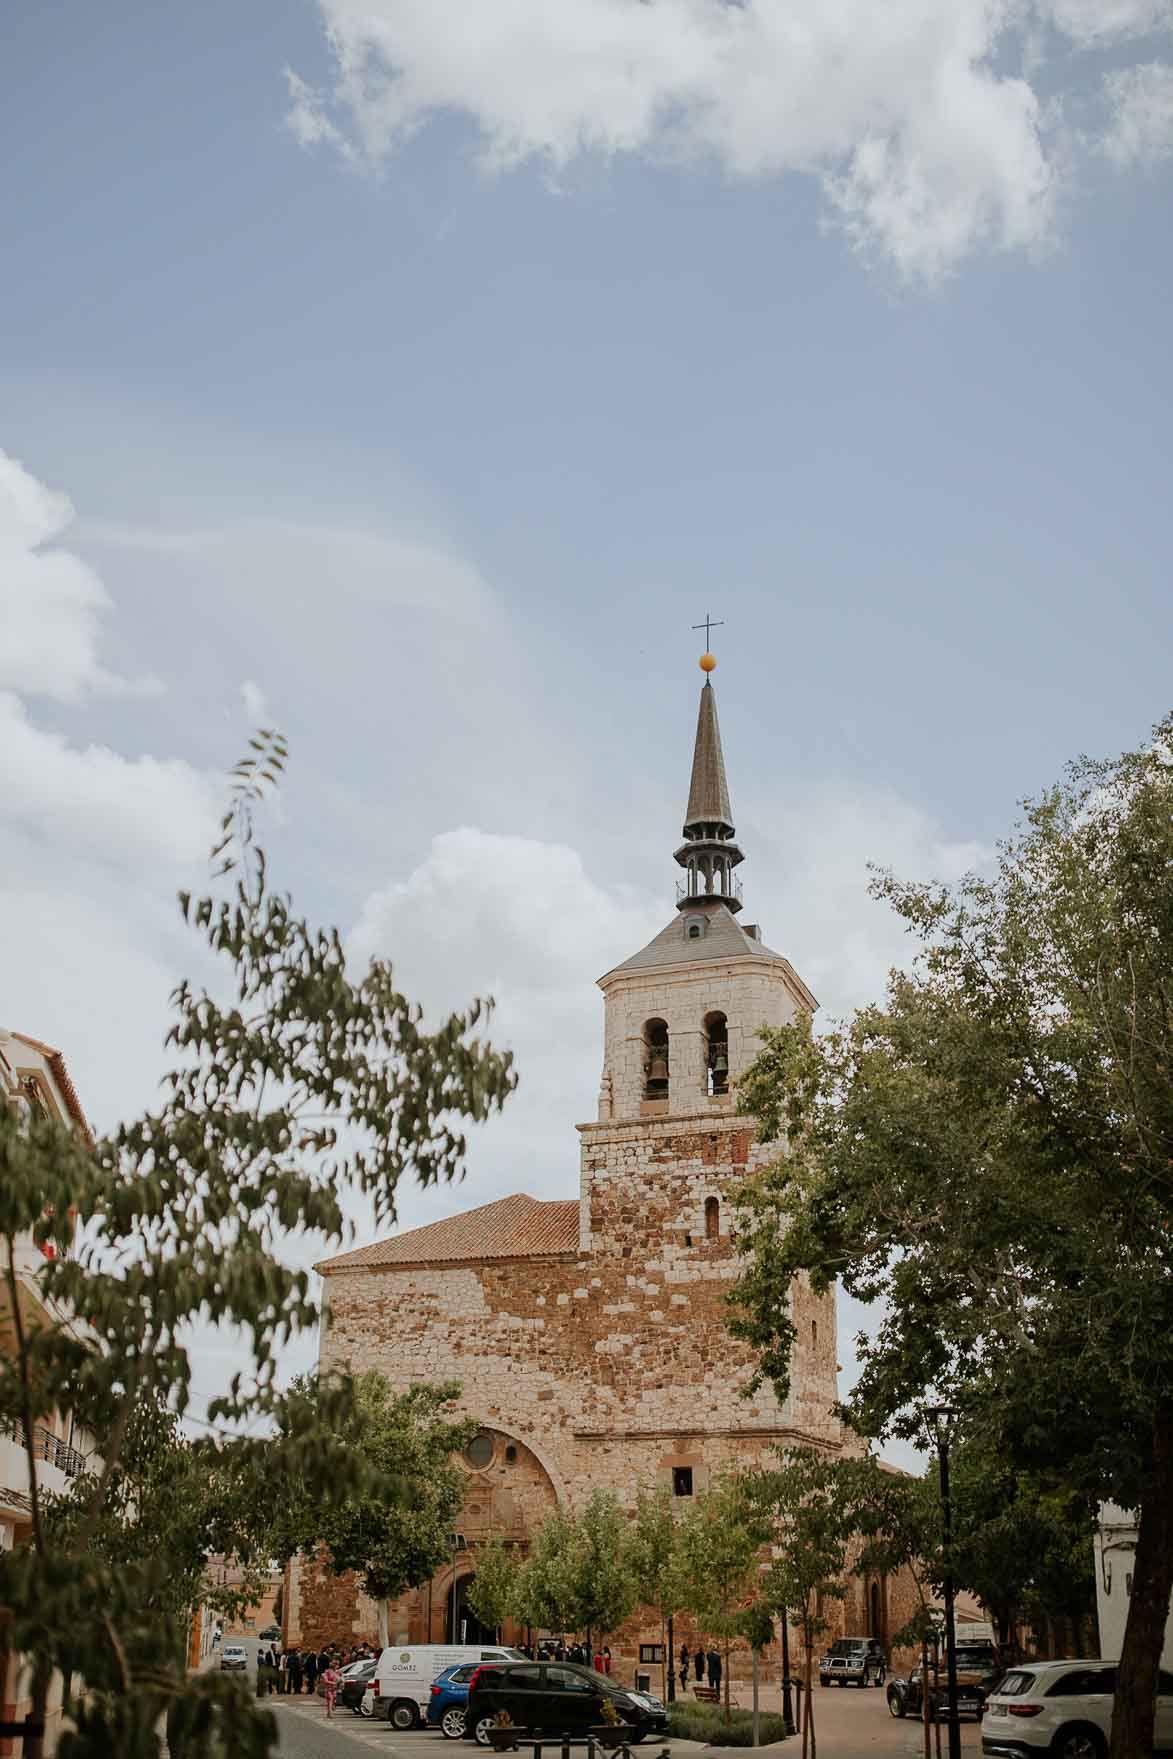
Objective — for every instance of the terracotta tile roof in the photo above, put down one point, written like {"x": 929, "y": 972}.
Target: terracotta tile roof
{"x": 63, "y": 1079}
{"x": 513, "y": 1227}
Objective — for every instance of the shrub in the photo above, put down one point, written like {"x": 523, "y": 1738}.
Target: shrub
{"x": 706, "y": 1722}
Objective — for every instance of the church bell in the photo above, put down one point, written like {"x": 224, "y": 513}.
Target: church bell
{"x": 720, "y": 1063}
{"x": 658, "y": 1068}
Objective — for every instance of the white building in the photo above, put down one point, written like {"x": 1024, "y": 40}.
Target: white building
{"x": 1115, "y": 1548}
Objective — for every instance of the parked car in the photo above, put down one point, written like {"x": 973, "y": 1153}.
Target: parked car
{"x": 271, "y": 1634}
{"x": 233, "y": 1658}
{"x": 1064, "y": 1709}
{"x": 858, "y": 1661}
{"x": 556, "y": 1698}
{"x": 978, "y": 1670}
{"x": 405, "y": 1676}
{"x": 353, "y": 1690}
{"x": 449, "y": 1700}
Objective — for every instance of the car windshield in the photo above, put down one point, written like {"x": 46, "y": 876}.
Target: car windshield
{"x": 846, "y": 1646}
{"x": 459, "y": 1676}
{"x": 974, "y": 1654}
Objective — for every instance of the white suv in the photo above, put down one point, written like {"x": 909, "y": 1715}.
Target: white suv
{"x": 1063, "y": 1708}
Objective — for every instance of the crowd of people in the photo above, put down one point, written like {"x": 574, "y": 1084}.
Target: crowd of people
{"x": 294, "y": 1671}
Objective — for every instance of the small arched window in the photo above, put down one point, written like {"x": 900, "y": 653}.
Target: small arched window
{"x": 716, "y": 1053}
{"x": 656, "y": 1059}
{"x": 712, "y": 1218}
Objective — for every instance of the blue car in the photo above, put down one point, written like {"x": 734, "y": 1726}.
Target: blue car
{"x": 449, "y": 1699}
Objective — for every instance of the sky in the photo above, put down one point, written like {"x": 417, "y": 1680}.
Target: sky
{"x": 414, "y": 374}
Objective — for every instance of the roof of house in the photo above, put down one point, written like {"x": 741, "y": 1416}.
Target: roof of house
{"x": 512, "y": 1227}
{"x": 63, "y": 1079}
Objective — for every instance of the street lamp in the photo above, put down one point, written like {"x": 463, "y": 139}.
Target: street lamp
{"x": 940, "y": 1419}
{"x": 457, "y": 1542}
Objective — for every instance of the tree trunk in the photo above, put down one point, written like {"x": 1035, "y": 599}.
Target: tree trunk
{"x": 1134, "y": 1708}
{"x": 728, "y": 1706}
{"x": 384, "y": 1615}
{"x": 33, "y": 1746}
{"x": 924, "y": 1698}
{"x": 808, "y": 1708}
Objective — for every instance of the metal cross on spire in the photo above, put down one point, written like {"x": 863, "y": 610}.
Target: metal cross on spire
{"x": 707, "y": 625}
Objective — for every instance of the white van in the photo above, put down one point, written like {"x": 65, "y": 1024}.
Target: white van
{"x": 403, "y": 1677}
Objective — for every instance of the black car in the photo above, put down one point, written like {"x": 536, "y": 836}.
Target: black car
{"x": 858, "y": 1661}
{"x": 978, "y": 1669}
{"x": 352, "y": 1691}
{"x": 557, "y": 1698}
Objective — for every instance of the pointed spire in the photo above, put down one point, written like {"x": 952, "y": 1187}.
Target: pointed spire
{"x": 708, "y": 853}
{"x": 708, "y": 794}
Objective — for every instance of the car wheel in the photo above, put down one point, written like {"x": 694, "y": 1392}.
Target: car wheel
{"x": 896, "y": 1702}
{"x": 1079, "y": 1741}
{"x": 366, "y": 1704}
{"x": 404, "y": 1715}
{"x": 480, "y": 1733}
{"x": 452, "y": 1724}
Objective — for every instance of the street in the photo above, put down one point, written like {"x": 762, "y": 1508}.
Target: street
{"x": 849, "y": 1724}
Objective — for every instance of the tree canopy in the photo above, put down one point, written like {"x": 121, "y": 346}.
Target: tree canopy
{"x": 293, "y": 1081}
{"x": 989, "y": 1154}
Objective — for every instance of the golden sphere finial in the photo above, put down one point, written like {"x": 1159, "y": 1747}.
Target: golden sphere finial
{"x": 707, "y": 662}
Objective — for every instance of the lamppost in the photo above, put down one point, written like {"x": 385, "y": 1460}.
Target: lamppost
{"x": 457, "y": 1542}
{"x": 787, "y": 1706}
{"x": 940, "y": 1419}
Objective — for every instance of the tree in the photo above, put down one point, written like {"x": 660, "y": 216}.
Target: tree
{"x": 293, "y": 1083}
{"x": 809, "y": 1522}
{"x": 492, "y": 1590}
{"x": 717, "y": 1561}
{"x": 393, "y": 1530}
{"x": 990, "y": 1153}
{"x": 651, "y": 1560}
{"x": 577, "y": 1576}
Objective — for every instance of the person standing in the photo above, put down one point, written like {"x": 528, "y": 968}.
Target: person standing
{"x": 311, "y": 1672}
{"x": 330, "y": 1680}
{"x": 684, "y": 1667}
{"x": 294, "y": 1666}
{"x": 698, "y": 1662}
{"x": 606, "y": 1659}
{"x": 714, "y": 1671}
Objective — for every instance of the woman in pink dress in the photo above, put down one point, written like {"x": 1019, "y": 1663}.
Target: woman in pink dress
{"x": 331, "y": 1679}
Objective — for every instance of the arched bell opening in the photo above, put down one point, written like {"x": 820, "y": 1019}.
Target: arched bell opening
{"x": 656, "y": 1059}
{"x": 712, "y": 1218}
{"x": 716, "y": 1053}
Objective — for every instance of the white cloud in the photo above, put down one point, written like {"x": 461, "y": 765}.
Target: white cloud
{"x": 51, "y": 602}
{"x": 126, "y": 810}
{"x": 256, "y": 705}
{"x": 1141, "y": 102}
{"x": 1089, "y": 23}
{"x": 918, "y": 118}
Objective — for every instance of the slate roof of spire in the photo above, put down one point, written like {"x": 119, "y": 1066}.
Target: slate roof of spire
{"x": 512, "y": 1227}
{"x": 708, "y": 794}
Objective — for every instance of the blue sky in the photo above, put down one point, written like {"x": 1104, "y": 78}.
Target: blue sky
{"x": 434, "y": 376}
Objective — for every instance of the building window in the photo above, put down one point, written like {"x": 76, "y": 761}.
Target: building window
{"x": 712, "y": 1218}
{"x": 479, "y": 1452}
{"x": 716, "y": 1053}
{"x": 656, "y": 1059}
{"x": 682, "y": 1480}
{"x": 814, "y": 1332}
{"x": 511, "y": 1454}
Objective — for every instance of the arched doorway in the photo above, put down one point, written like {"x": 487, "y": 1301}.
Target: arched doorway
{"x": 462, "y": 1624}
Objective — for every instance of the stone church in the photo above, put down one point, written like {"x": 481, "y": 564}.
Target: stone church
{"x": 589, "y": 1333}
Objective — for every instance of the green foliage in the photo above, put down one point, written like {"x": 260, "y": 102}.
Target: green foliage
{"x": 577, "y": 1576}
{"x": 717, "y": 1564}
{"x": 708, "y": 1723}
{"x": 392, "y": 1529}
{"x": 990, "y": 1153}
{"x": 651, "y": 1551}
{"x": 293, "y": 1082}
{"x": 491, "y": 1592}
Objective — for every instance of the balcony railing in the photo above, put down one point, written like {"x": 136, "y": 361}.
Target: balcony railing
{"x": 50, "y": 1448}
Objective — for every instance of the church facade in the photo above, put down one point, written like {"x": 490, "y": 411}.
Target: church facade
{"x": 588, "y": 1334}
